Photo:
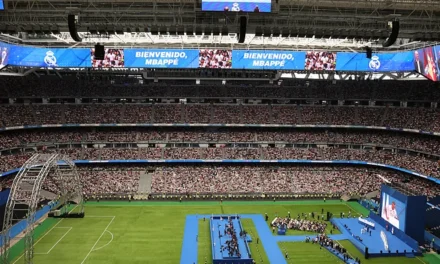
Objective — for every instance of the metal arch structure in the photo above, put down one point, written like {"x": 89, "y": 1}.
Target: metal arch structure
{"x": 25, "y": 194}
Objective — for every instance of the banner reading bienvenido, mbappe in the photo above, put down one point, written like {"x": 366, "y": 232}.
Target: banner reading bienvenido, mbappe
{"x": 268, "y": 60}
{"x": 161, "y": 58}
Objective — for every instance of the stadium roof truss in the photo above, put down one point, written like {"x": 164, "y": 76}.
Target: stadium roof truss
{"x": 294, "y": 24}
{"x": 25, "y": 196}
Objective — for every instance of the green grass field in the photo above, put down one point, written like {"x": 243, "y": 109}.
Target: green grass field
{"x": 152, "y": 232}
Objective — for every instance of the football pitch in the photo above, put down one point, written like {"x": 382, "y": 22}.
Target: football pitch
{"x": 153, "y": 232}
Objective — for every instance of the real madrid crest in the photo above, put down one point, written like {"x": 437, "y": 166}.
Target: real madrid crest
{"x": 50, "y": 59}
{"x": 374, "y": 63}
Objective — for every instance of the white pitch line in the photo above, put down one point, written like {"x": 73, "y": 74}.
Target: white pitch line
{"x": 420, "y": 260}
{"x": 44, "y": 235}
{"x": 56, "y": 227}
{"x": 58, "y": 241}
{"x": 99, "y": 216}
{"x": 103, "y": 232}
{"x": 96, "y": 249}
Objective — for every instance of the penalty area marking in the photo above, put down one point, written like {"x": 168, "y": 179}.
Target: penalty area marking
{"x": 69, "y": 228}
{"x": 45, "y": 234}
{"x": 103, "y": 232}
{"x": 96, "y": 249}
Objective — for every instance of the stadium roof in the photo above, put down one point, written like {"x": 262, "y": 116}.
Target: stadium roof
{"x": 294, "y": 24}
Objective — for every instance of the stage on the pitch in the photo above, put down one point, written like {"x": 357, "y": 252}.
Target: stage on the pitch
{"x": 379, "y": 241}
{"x": 229, "y": 245}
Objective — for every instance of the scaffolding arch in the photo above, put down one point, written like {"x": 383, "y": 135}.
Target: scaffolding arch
{"x": 57, "y": 170}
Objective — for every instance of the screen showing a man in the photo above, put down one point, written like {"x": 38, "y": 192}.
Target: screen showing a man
{"x": 393, "y": 211}
{"x": 255, "y": 6}
{"x": 430, "y": 70}
{"x": 3, "y": 56}
{"x": 418, "y": 61}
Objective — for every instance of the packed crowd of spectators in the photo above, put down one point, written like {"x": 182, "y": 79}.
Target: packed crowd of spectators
{"x": 215, "y": 59}
{"x": 215, "y": 178}
{"x": 413, "y": 141}
{"x": 101, "y": 86}
{"x": 9, "y": 162}
{"x": 272, "y": 179}
{"x": 416, "y": 163}
{"x": 238, "y": 179}
{"x": 94, "y": 181}
{"x": 427, "y": 119}
{"x": 101, "y": 180}
{"x": 320, "y": 60}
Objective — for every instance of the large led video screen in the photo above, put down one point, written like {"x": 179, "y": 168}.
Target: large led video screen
{"x": 255, "y": 6}
{"x": 393, "y": 210}
{"x": 268, "y": 60}
{"x": 154, "y": 58}
{"x": 215, "y": 59}
{"x": 113, "y": 58}
{"x": 320, "y": 61}
{"x": 425, "y": 63}
{"x": 379, "y": 62}
{"x": 2, "y": 5}
{"x": 52, "y": 58}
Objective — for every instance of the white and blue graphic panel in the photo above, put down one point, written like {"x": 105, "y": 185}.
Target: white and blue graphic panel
{"x": 159, "y": 58}
{"x": 256, "y": 6}
{"x": 268, "y": 60}
{"x": 43, "y": 57}
{"x": 379, "y": 62}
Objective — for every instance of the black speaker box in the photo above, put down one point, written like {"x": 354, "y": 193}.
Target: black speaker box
{"x": 72, "y": 28}
{"x": 368, "y": 52}
{"x": 242, "y": 32}
{"x": 395, "y": 27}
{"x": 99, "y": 52}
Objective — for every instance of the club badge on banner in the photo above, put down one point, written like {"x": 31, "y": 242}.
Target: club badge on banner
{"x": 160, "y": 58}
{"x": 380, "y": 62}
{"x": 52, "y": 58}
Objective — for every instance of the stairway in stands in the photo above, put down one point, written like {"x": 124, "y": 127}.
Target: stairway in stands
{"x": 145, "y": 183}
{"x": 356, "y": 115}
{"x": 384, "y": 117}
{"x": 122, "y": 114}
{"x": 63, "y": 109}
{"x": 298, "y": 112}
